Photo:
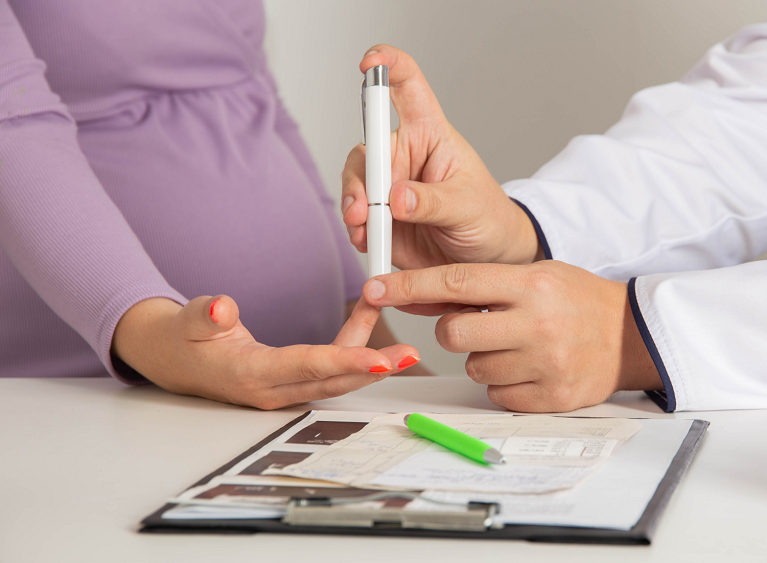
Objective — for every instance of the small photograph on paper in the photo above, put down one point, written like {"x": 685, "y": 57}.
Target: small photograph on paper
{"x": 236, "y": 494}
{"x": 274, "y": 460}
{"x": 325, "y": 432}
{"x": 274, "y": 496}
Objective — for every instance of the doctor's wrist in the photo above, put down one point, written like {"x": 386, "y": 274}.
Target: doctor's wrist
{"x": 522, "y": 243}
{"x": 638, "y": 371}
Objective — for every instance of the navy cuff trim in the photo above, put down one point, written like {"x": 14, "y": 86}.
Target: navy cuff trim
{"x": 664, "y": 399}
{"x": 537, "y": 227}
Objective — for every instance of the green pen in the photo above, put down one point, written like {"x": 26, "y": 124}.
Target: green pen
{"x": 453, "y": 439}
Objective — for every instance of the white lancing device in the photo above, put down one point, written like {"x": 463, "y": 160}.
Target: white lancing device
{"x": 376, "y": 131}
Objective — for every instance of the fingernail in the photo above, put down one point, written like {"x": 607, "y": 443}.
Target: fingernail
{"x": 352, "y": 230}
{"x": 213, "y": 311}
{"x": 378, "y": 369}
{"x": 408, "y": 361}
{"x": 376, "y": 289}
{"x": 348, "y": 200}
{"x": 410, "y": 201}
{"x": 370, "y": 52}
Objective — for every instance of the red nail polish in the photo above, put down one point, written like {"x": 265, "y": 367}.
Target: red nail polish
{"x": 213, "y": 311}
{"x": 378, "y": 369}
{"x": 408, "y": 361}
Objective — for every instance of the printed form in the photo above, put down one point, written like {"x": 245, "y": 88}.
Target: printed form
{"x": 544, "y": 454}
{"x": 614, "y": 497}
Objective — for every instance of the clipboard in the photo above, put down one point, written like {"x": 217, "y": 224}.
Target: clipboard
{"x": 315, "y": 515}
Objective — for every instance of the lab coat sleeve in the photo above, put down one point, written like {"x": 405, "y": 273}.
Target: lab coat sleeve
{"x": 674, "y": 199}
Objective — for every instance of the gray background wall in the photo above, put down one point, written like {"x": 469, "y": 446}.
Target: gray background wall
{"x": 518, "y": 78}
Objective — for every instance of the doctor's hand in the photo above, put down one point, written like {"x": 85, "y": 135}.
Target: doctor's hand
{"x": 446, "y": 205}
{"x": 203, "y": 349}
{"x": 556, "y": 337}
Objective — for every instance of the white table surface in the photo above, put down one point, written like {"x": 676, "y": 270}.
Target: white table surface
{"x": 82, "y": 461}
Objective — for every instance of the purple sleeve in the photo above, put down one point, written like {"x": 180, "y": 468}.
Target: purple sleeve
{"x": 57, "y": 225}
{"x": 354, "y": 277}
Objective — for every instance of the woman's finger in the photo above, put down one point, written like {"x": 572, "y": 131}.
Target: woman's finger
{"x": 357, "y": 330}
{"x": 358, "y": 327}
{"x": 306, "y": 391}
{"x": 299, "y": 363}
{"x": 402, "y": 356}
{"x": 207, "y": 318}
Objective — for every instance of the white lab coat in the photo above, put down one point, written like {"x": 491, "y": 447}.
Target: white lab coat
{"x": 675, "y": 194}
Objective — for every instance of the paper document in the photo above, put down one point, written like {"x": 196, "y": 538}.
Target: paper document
{"x": 193, "y": 512}
{"x": 614, "y": 497}
{"x": 566, "y": 448}
{"x": 385, "y": 454}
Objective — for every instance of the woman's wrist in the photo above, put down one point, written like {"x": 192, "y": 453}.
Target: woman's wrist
{"x": 141, "y": 332}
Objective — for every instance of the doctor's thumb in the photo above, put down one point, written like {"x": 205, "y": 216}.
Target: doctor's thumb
{"x": 427, "y": 204}
{"x": 205, "y": 317}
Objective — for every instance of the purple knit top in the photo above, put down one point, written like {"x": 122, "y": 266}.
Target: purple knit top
{"x": 144, "y": 152}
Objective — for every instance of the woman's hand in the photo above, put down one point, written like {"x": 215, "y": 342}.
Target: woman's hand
{"x": 555, "y": 337}
{"x": 446, "y": 206}
{"x": 203, "y": 349}
{"x": 383, "y": 337}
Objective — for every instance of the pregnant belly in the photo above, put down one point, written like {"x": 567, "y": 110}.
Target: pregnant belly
{"x": 222, "y": 206}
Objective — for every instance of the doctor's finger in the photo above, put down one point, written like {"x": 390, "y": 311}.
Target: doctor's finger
{"x": 482, "y": 332}
{"x": 432, "y": 309}
{"x": 524, "y": 397}
{"x": 354, "y": 201}
{"x": 358, "y": 236}
{"x": 470, "y": 284}
{"x": 500, "y": 367}
{"x": 410, "y": 92}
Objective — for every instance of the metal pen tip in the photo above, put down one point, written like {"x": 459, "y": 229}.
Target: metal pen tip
{"x": 492, "y": 455}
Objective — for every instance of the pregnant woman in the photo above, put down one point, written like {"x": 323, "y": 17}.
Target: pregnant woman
{"x": 145, "y": 157}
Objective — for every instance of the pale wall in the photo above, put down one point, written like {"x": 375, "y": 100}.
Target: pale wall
{"x": 517, "y": 78}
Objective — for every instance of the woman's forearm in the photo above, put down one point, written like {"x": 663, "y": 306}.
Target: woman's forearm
{"x": 58, "y": 226}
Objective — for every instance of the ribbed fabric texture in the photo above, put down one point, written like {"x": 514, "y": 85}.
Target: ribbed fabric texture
{"x": 155, "y": 161}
